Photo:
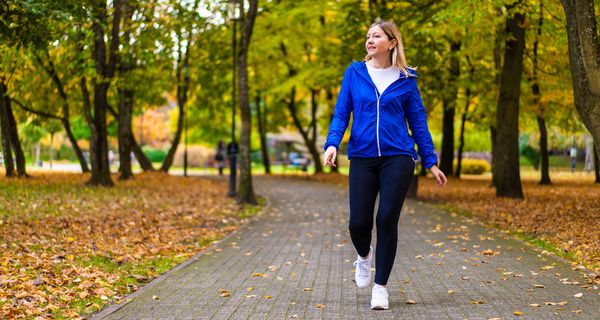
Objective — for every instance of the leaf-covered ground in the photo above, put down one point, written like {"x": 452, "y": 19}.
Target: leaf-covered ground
{"x": 565, "y": 214}
{"x": 67, "y": 250}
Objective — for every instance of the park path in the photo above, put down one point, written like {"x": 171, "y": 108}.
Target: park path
{"x": 295, "y": 262}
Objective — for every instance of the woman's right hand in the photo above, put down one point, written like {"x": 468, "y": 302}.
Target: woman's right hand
{"x": 329, "y": 156}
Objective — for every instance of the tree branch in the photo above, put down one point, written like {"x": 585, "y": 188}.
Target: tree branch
{"x": 36, "y": 112}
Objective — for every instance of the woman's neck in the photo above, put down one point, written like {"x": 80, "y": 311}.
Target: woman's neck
{"x": 380, "y": 62}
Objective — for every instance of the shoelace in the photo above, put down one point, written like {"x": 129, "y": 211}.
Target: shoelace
{"x": 362, "y": 267}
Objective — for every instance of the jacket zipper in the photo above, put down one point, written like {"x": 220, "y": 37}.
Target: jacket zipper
{"x": 377, "y": 132}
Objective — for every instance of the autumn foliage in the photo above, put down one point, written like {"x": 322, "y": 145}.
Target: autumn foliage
{"x": 66, "y": 250}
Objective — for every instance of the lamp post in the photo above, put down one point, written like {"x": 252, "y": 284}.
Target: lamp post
{"x": 232, "y": 148}
{"x": 185, "y": 144}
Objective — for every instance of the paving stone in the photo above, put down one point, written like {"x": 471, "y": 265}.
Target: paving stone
{"x": 302, "y": 246}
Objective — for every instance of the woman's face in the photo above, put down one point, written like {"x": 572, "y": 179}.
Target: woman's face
{"x": 377, "y": 42}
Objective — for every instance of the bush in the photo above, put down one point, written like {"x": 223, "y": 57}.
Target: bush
{"x": 155, "y": 155}
{"x": 473, "y": 166}
{"x": 532, "y": 155}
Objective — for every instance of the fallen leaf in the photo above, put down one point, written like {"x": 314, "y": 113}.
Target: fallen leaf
{"x": 534, "y": 305}
{"x": 411, "y": 302}
{"x": 578, "y": 295}
{"x": 518, "y": 313}
{"x": 319, "y": 306}
{"x": 476, "y": 302}
{"x": 155, "y": 297}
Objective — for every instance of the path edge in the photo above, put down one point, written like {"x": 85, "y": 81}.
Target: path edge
{"x": 109, "y": 309}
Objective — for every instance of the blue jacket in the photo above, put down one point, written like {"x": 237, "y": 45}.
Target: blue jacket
{"x": 379, "y": 125}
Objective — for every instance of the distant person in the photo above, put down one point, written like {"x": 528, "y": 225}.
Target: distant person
{"x": 382, "y": 94}
{"x": 220, "y": 156}
{"x": 573, "y": 154}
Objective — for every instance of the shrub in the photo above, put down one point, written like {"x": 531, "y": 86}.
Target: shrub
{"x": 155, "y": 155}
{"x": 473, "y": 166}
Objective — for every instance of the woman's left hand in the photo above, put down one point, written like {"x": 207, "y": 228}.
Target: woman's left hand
{"x": 439, "y": 176}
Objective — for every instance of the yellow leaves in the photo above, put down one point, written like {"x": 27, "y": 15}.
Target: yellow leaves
{"x": 155, "y": 297}
{"x": 63, "y": 226}
{"x": 258, "y": 274}
{"x": 224, "y": 293}
{"x": 490, "y": 252}
{"x": 476, "y": 302}
{"x": 319, "y": 306}
{"x": 547, "y": 267}
{"x": 518, "y": 313}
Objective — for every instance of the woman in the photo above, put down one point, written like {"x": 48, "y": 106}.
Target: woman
{"x": 382, "y": 94}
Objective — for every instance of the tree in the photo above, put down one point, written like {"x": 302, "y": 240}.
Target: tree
{"x": 10, "y": 135}
{"x": 261, "y": 119}
{"x": 182, "y": 75}
{"x": 584, "y": 55}
{"x": 449, "y": 104}
{"x": 506, "y": 148}
{"x": 105, "y": 63}
{"x": 65, "y": 118}
{"x": 246, "y": 189}
{"x": 535, "y": 88}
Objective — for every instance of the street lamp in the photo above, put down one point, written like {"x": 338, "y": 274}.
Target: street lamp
{"x": 232, "y": 148}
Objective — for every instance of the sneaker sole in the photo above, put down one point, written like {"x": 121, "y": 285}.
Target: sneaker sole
{"x": 379, "y": 307}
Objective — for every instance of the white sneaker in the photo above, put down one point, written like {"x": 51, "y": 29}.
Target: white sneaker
{"x": 362, "y": 275}
{"x": 379, "y": 298}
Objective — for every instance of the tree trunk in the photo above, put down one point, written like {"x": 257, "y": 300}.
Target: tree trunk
{"x": 105, "y": 70}
{"x": 126, "y": 95}
{"x": 141, "y": 157}
{"x": 310, "y": 144}
{"x": 246, "y": 189}
{"x": 15, "y": 143}
{"x": 331, "y": 106}
{"x": 498, "y": 69}
{"x": 584, "y": 56}
{"x": 545, "y": 179}
{"x": 125, "y": 135}
{"x": 183, "y": 85}
{"x": 449, "y": 102}
{"x": 262, "y": 131}
{"x": 508, "y": 182}
{"x": 535, "y": 88}
{"x": 314, "y": 93}
{"x": 5, "y": 127}
{"x": 462, "y": 134}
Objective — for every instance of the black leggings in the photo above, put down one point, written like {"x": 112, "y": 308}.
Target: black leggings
{"x": 390, "y": 177}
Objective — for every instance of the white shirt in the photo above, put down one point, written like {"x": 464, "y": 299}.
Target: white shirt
{"x": 383, "y": 77}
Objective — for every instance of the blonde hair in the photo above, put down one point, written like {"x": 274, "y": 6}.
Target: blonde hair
{"x": 397, "y": 54}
